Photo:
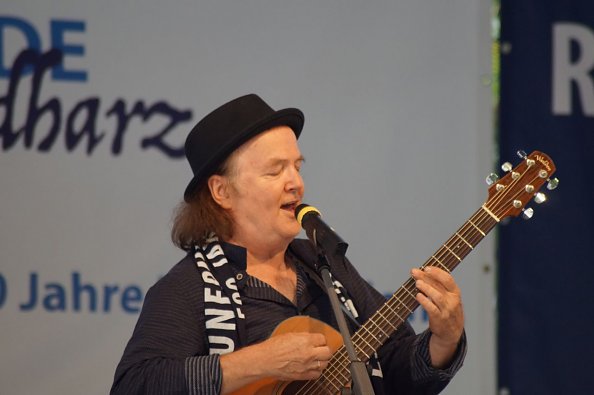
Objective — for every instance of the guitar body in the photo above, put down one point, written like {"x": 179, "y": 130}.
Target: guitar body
{"x": 295, "y": 324}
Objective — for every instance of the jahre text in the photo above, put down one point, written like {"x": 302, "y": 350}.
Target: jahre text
{"x": 77, "y": 295}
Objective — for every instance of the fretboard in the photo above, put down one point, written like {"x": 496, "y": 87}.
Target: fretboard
{"x": 390, "y": 317}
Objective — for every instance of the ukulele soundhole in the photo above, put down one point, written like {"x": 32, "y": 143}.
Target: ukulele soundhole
{"x": 293, "y": 388}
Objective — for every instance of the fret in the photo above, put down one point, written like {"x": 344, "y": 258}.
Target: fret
{"x": 333, "y": 389}
{"x": 371, "y": 333}
{"x": 387, "y": 305}
{"x": 453, "y": 253}
{"x": 324, "y": 382}
{"x": 444, "y": 267}
{"x": 360, "y": 350}
{"x": 333, "y": 369}
{"x": 477, "y": 228}
{"x": 457, "y": 246}
{"x": 378, "y": 326}
{"x": 344, "y": 375}
{"x": 343, "y": 372}
{"x": 464, "y": 240}
{"x": 409, "y": 292}
{"x": 361, "y": 337}
{"x": 396, "y": 315}
{"x": 386, "y": 321}
{"x": 402, "y": 303}
{"x": 490, "y": 213}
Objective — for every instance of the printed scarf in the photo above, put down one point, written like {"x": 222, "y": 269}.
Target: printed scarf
{"x": 222, "y": 303}
{"x": 225, "y": 321}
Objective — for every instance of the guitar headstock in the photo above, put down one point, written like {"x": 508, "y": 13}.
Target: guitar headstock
{"x": 509, "y": 195}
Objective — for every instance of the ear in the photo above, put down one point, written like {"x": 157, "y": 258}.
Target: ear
{"x": 219, "y": 189}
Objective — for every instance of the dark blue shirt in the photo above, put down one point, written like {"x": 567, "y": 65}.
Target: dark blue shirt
{"x": 168, "y": 351}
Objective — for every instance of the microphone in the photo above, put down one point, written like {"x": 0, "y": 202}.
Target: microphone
{"x": 318, "y": 232}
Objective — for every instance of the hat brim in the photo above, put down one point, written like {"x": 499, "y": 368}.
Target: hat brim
{"x": 291, "y": 117}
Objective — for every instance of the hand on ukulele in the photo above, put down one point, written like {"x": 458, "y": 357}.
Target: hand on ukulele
{"x": 296, "y": 356}
{"x": 284, "y": 357}
{"x": 440, "y": 297}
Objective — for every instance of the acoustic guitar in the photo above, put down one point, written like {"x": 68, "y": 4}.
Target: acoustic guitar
{"x": 507, "y": 197}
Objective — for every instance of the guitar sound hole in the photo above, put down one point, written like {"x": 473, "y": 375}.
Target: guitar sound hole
{"x": 295, "y": 386}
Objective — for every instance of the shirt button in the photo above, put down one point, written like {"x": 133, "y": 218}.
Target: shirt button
{"x": 239, "y": 276}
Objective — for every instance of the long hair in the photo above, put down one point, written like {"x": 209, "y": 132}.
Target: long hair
{"x": 196, "y": 219}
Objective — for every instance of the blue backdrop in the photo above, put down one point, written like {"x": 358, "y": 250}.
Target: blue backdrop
{"x": 546, "y": 269}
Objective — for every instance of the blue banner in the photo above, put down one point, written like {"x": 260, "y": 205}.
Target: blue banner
{"x": 546, "y": 270}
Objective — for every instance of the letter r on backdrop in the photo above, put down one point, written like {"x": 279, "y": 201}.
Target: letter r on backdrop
{"x": 572, "y": 68}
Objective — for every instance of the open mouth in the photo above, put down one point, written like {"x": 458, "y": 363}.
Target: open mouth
{"x": 289, "y": 206}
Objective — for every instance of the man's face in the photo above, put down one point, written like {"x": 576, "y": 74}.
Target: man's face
{"x": 265, "y": 187}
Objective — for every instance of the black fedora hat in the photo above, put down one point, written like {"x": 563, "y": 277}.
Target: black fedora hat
{"x": 222, "y": 131}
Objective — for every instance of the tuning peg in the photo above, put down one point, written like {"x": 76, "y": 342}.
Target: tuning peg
{"x": 491, "y": 179}
{"x": 521, "y": 154}
{"x": 540, "y": 198}
{"x": 552, "y": 183}
{"x": 527, "y": 213}
{"x": 506, "y": 167}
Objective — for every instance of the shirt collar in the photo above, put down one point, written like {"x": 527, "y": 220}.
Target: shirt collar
{"x": 236, "y": 255}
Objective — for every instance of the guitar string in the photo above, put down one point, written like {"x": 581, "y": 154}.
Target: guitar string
{"x": 452, "y": 259}
{"x": 392, "y": 312}
{"x": 390, "y": 316}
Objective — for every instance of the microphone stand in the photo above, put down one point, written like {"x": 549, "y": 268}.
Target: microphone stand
{"x": 359, "y": 374}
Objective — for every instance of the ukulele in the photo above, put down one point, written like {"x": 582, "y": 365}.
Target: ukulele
{"x": 507, "y": 197}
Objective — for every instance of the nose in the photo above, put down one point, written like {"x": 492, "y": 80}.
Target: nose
{"x": 295, "y": 183}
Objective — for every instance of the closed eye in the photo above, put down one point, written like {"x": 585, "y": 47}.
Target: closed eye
{"x": 299, "y": 163}
{"x": 277, "y": 166}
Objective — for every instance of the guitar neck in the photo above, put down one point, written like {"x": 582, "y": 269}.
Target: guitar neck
{"x": 506, "y": 197}
{"x": 386, "y": 321}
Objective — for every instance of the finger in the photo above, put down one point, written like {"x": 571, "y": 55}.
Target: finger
{"x": 419, "y": 274}
{"x": 443, "y": 278}
{"x": 322, "y": 354}
{"x": 319, "y": 365}
{"x": 436, "y": 285}
{"x": 317, "y": 339}
{"x": 316, "y": 365}
{"x": 438, "y": 279}
{"x": 431, "y": 296}
{"x": 322, "y": 364}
